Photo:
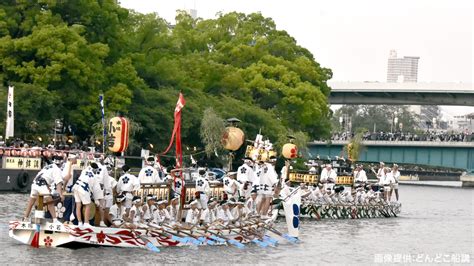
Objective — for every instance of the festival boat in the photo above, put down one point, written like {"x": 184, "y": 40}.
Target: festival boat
{"x": 43, "y": 233}
{"x": 319, "y": 211}
{"x": 47, "y": 234}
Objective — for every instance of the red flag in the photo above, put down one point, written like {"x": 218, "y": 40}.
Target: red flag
{"x": 177, "y": 134}
{"x": 177, "y": 122}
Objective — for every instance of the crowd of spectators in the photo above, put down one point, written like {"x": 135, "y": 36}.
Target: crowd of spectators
{"x": 408, "y": 136}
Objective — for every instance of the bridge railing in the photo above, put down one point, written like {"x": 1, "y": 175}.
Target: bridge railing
{"x": 399, "y": 143}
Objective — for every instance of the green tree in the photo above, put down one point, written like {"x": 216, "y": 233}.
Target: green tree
{"x": 378, "y": 117}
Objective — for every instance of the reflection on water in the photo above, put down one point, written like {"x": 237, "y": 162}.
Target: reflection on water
{"x": 433, "y": 221}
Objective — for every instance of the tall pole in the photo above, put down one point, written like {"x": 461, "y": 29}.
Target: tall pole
{"x": 104, "y": 129}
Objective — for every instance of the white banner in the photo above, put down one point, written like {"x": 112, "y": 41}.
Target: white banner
{"x": 9, "y": 132}
{"x": 291, "y": 205}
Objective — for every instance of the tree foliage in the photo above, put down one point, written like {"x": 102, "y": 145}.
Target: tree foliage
{"x": 62, "y": 54}
{"x": 380, "y": 117}
{"x": 212, "y": 130}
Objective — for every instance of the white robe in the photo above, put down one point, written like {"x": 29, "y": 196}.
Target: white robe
{"x": 360, "y": 176}
{"x": 225, "y": 216}
{"x": 246, "y": 177}
{"x": 268, "y": 178}
{"x": 192, "y": 216}
{"x": 149, "y": 175}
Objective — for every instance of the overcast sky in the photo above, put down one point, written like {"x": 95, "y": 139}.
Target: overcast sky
{"x": 354, "y": 38}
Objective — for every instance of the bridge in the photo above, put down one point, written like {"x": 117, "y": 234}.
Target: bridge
{"x": 440, "y": 154}
{"x": 402, "y": 93}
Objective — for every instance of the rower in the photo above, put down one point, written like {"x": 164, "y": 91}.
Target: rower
{"x": 149, "y": 174}
{"x": 127, "y": 185}
{"x": 135, "y": 215}
{"x": 251, "y": 204}
{"x": 317, "y": 194}
{"x": 173, "y": 209}
{"x": 193, "y": 214}
{"x": 396, "y": 177}
{"x": 82, "y": 193}
{"x": 268, "y": 178}
{"x": 224, "y": 215}
{"x": 202, "y": 188}
{"x": 149, "y": 208}
{"x": 246, "y": 177}
{"x": 305, "y": 191}
{"x": 209, "y": 215}
{"x": 47, "y": 177}
{"x": 238, "y": 211}
{"x": 231, "y": 186}
{"x": 117, "y": 212}
{"x": 161, "y": 214}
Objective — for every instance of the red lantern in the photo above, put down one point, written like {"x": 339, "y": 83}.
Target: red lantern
{"x": 118, "y": 134}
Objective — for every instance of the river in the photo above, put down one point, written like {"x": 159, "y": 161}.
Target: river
{"x": 436, "y": 225}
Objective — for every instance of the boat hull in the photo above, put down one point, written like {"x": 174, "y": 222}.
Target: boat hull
{"x": 58, "y": 235}
{"x": 323, "y": 211}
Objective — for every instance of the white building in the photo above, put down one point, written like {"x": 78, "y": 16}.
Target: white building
{"x": 462, "y": 123}
{"x": 402, "y": 69}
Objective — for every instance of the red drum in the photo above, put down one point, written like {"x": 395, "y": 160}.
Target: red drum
{"x": 118, "y": 132}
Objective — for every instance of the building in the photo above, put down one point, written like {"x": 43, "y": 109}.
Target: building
{"x": 402, "y": 69}
{"x": 462, "y": 123}
{"x": 192, "y": 12}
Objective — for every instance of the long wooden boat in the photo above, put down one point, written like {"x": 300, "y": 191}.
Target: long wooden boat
{"x": 319, "y": 211}
{"x": 68, "y": 235}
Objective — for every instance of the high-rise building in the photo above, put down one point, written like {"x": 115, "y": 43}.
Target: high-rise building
{"x": 193, "y": 13}
{"x": 402, "y": 69}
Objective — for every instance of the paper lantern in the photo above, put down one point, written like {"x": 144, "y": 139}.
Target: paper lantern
{"x": 118, "y": 134}
{"x": 289, "y": 151}
{"x": 233, "y": 138}
{"x": 253, "y": 154}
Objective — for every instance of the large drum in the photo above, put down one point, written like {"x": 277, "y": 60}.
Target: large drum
{"x": 118, "y": 134}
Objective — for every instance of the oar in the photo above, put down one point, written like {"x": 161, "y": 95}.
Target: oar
{"x": 191, "y": 240}
{"x": 285, "y": 236}
{"x": 149, "y": 244}
{"x": 200, "y": 239}
{"x": 254, "y": 240}
{"x": 212, "y": 236}
{"x": 253, "y": 231}
{"x": 169, "y": 235}
{"x": 221, "y": 237}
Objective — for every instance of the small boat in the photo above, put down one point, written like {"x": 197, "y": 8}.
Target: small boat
{"x": 350, "y": 211}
